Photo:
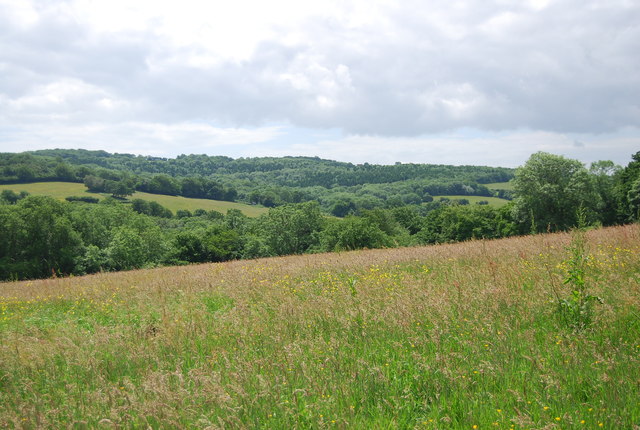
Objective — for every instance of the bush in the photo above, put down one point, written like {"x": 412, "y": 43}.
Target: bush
{"x": 85, "y": 199}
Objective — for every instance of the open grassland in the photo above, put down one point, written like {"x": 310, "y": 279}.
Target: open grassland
{"x": 60, "y": 190}
{"x": 177, "y": 202}
{"x": 457, "y": 336}
{"x": 493, "y": 201}
{"x": 501, "y": 186}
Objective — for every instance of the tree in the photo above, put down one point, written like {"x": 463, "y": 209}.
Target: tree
{"x": 604, "y": 173}
{"x": 213, "y": 244}
{"x": 119, "y": 189}
{"x": 626, "y": 190}
{"x": 343, "y": 207}
{"x": 353, "y": 233}
{"x": 633, "y": 197}
{"x": 38, "y": 239}
{"x": 293, "y": 228}
{"x": 550, "y": 189}
{"x": 9, "y": 196}
{"x": 94, "y": 184}
{"x": 127, "y": 249}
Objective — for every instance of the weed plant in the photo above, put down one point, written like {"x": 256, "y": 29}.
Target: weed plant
{"x": 577, "y": 310}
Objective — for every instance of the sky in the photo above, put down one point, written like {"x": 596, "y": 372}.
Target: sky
{"x": 484, "y": 82}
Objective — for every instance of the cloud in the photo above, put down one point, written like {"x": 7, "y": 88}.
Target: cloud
{"x": 142, "y": 137}
{"x": 466, "y": 147}
{"x": 387, "y": 69}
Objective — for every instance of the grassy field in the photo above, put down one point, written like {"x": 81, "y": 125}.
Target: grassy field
{"x": 493, "y": 201}
{"x": 460, "y": 336}
{"x": 60, "y": 190}
{"x": 500, "y": 186}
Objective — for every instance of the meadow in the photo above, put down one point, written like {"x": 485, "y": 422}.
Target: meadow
{"x": 60, "y": 190}
{"x": 460, "y": 336}
{"x": 501, "y": 186}
{"x": 492, "y": 201}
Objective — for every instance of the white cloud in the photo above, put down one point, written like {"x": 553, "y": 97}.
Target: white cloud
{"x": 167, "y": 140}
{"x": 396, "y": 70}
{"x": 469, "y": 147}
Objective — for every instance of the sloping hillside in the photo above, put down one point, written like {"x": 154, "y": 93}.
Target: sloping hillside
{"x": 449, "y": 336}
{"x": 61, "y": 190}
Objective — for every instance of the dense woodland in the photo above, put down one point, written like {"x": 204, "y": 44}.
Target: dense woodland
{"x": 44, "y": 237}
{"x": 340, "y": 188}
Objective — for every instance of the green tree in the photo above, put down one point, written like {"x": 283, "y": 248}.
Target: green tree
{"x": 343, "y": 207}
{"x": 39, "y": 239}
{"x": 626, "y": 190}
{"x": 604, "y": 174}
{"x": 353, "y": 233}
{"x": 9, "y": 196}
{"x": 293, "y": 228}
{"x": 633, "y": 198}
{"x": 213, "y": 244}
{"x": 550, "y": 189}
{"x": 94, "y": 184}
{"x": 127, "y": 249}
{"x": 455, "y": 223}
{"x": 119, "y": 189}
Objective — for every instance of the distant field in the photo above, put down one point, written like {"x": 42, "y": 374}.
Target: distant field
{"x": 500, "y": 186}
{"x": 493, "y": 201}
{"x": 458, "y": 336}
{"x": 60, "y": 190}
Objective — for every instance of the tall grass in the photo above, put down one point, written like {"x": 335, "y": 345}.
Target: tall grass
{"x": 452, "y": 336}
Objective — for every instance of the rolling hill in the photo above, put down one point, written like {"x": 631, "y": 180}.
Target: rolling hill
{"x": 60, "y": 190}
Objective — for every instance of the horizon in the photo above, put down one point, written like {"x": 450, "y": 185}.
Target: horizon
{"x": 586, "y": 164}
{"x": 439, "y": 83}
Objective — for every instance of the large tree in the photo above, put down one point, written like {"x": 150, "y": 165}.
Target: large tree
{"x": 550, "y": 192}
{"x": 627, "y": 190}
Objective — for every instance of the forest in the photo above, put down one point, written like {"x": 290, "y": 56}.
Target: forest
{"x": 45, "y": 237}
{"x": 340, "y": 188}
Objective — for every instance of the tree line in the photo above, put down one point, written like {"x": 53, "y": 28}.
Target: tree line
{"x": 45, "y": 237}
{"x": 266, "y": 181}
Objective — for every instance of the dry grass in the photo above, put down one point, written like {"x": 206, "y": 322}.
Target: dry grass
{"x": 449, "y": 336}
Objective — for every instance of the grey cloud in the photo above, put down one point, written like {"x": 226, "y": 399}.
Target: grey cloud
{"x": 571, "y": 67}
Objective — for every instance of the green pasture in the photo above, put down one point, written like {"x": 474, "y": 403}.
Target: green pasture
{"x": 493, "y": 201}
{"x": 60, "y": 190}
{"x": 500, "y": 186}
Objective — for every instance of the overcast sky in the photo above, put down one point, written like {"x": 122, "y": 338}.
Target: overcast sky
{"x": 484, "y": 82}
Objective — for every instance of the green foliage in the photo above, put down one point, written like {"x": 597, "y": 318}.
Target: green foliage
{"x": 292, "y": 229}
{"x": 576, "y": 310}
{"x": 548, "y": 190}
{"x": 38, "y": 239}
{"x": 127, "y": 249}
{"x": 455, "y": 223}
{"x": 85, "y": 199}
{"x": 150, "y": 208}
{"x": 119, "y": 189}
{"x": 11, "y": 197}
{"x": 83, "y": 238}
{"x": 353, "y": 233}
{"x": 92, "y": 260}
{"x": 207, "y": 245}
{"x": 341, "y": 188}
{"x": 633, "y": 199}
{"x": 627, "y": 190}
